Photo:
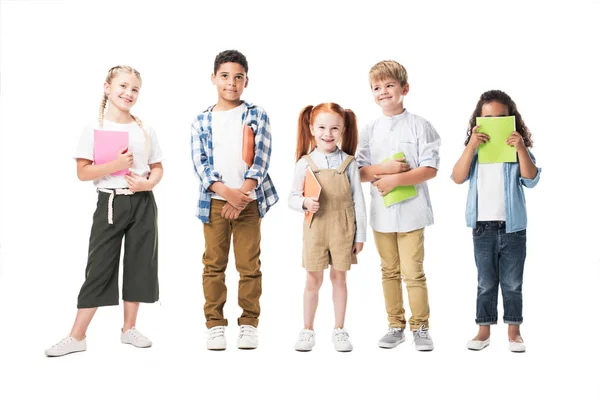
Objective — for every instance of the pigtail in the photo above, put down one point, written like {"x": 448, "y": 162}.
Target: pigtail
{"x": 101, "y": 111}
{"x": 350, "y": 134}
{"x": 146, "y": 138}
{"x": 306, "y": 141}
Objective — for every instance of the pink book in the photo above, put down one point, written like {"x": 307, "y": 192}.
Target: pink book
{"x": 107, "y": 145}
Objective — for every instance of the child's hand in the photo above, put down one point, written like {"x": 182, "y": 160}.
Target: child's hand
{"x": 395, "y": 166}
{"x": 124, "y": 159}
{"x": 384, "y": 184}
{"x": 357, "y": 248}
{"x": 515, "y": 139}
{"x": 137, "y": 183}
{"x": 230, "y": 212}
{"x": 311, "y": 204}
{"x": 477, "y": 138}
{"x": 237, "y": 198}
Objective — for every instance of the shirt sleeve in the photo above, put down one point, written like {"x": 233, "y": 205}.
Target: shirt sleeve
{"x": 85, "y": 147}
{"x": 429, "y": 146}
{"x": 531, "y": 183}
{"x": 363, "y": 153}
{"x": 360, "y": 209}
{"x": 200, "y": 159}
{"x": 296, "y": 197}
{"x": 262, "y": 149}
{"x": 155, "y": 155}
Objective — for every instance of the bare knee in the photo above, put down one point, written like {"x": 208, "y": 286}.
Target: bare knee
{"x": 338, "y": 278}
{"x": 314, "y": 280}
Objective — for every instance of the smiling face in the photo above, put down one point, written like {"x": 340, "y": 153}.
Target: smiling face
{"x": 122, "y": 91}
{"x": 327, "y": 128}
{"x": 389, "y": 94}
{"x": 230, "y": 80}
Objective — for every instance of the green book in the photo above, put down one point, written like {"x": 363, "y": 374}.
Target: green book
{"x": 496, "y": 150}
{"x": 399, "y": 193}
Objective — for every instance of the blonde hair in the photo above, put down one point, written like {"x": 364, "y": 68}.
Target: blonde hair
{"x": 109, "y": 77}
{"x": 388, "y": 69}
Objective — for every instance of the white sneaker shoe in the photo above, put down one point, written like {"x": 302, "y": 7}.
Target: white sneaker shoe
{"x": 306, "y": 340}
{"x": 66, "y": 346}
{"x": 134, "y": 337}
{"x": 248, "y": 338}
{"x": 341, "y": 340}
{"x": 478, "y": 344}
{"x": 216, "y": 338}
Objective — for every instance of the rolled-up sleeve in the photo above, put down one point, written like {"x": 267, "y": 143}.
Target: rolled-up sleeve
{"x": 530, "y": 183}
{"x": 429, "y": 146}
{"x": 202, "y": 166}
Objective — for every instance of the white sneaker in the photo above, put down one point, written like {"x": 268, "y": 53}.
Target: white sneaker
{"x": 66, "y": 346}
{"x": 134, "y": 337}
{"x": 248, "y": 338}
{"x": 216, "y": 338}
{"x": 478, "y": 344}
{"x": 341, "y": 340}
{"x": 306, "y": 340}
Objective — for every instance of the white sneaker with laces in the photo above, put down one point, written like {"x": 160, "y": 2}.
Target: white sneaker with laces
{"x": 422, "y": 339}
{"x": 216, "y": 338}
{"x": 306, "y": 340}
{"x": 66, "y": 346}
{"x": 134, "y": 337}
{"x": 341, "y": 340}
{"x": 248, "y": 339}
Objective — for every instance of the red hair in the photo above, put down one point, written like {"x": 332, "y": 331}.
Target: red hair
{"x": 306, "y": 141}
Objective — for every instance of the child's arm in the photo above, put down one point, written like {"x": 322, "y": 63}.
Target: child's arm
{"x": 386, "y": 183}
{"x": 360, "y": 208}
{"x": 461, "y": 169}
{"x": 262, "y": 151}
{"x": 368, "y": 173}
{"x": 526, "y": 165}
{"x": 88, "y": 171}
{"x": 296, "y": 199}
{"x": 140, "y": 184}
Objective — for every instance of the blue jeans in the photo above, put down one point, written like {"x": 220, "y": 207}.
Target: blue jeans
{"x": 500, "y": 258}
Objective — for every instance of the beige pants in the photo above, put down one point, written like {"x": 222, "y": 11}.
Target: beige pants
{"x": 402, "y": 258}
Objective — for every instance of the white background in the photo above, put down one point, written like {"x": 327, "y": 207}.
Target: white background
{"x": 54, "y": 58}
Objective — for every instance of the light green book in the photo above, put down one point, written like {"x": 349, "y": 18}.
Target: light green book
{"x": 496, "y": 150}
{"x": 399, "y": 193}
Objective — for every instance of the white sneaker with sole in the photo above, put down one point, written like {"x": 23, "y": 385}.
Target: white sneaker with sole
{"x": 66, "y": 346}
{"x": 516, "y": 347}
{"x": 248, "y": 339}
{"x": 306, "y": 340}
{"x": 341, "y": 340}
{"x": 216, "y": 338}
{"x": 478, "y": 344}
{"x": 134, "y": 337}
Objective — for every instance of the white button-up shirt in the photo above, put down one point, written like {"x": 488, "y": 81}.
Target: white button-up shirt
{"x": 420, "y": 143}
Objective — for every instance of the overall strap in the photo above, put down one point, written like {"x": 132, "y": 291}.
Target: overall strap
{"x": 311, "y": 163}
{"x": 345, "y": 164}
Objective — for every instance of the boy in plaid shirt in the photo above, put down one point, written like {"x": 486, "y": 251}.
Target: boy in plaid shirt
{"x": 234, "y": 197}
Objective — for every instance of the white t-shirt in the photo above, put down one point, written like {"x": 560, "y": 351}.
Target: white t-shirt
{"x": 142, "y": 155}
{"x": 490, "y": 192}
{"x": 227, "y": 138}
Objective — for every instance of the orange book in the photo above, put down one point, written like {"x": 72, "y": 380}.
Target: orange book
{"x": 248, "y": 145}
{"x": 312, "y": 188}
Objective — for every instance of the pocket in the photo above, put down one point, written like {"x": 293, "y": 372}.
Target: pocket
{"x": 478, "y": 230}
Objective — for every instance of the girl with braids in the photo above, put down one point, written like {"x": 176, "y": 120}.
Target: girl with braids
{"x": 338, "y": 228}
{"x": 125, "y": 208}
{"x": 496, "y": 212}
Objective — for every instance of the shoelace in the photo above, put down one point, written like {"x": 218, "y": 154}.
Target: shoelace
{"x": 422, "y": 332}
{"x": 341, "y": 336}
{"x": 305, "y": 336}
{"x": 62, "y": 343}
{"x": 393, "y": 331}
{"x": 216, "y": 332}
{"x": 247, "y": 331}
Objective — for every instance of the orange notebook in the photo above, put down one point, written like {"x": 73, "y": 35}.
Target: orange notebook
{"x": 248, "y": 145}
{"x": 312, "y": 188}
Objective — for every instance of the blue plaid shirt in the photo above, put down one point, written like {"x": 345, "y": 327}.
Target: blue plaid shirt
{"x": 202, "y": 156}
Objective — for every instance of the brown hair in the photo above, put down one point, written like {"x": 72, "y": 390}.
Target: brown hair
{"x": 306, "y": 141}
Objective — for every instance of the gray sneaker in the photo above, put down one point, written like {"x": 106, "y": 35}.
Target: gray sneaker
{"x": 422, "y": 340}
{"x": 392, "y": 338}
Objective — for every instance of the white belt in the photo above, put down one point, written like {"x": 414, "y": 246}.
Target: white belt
{"x": 113, "y": 192}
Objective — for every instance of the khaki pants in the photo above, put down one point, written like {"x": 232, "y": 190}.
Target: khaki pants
{"x": 402, "y": 258}
{"x": 246, "y": 247}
